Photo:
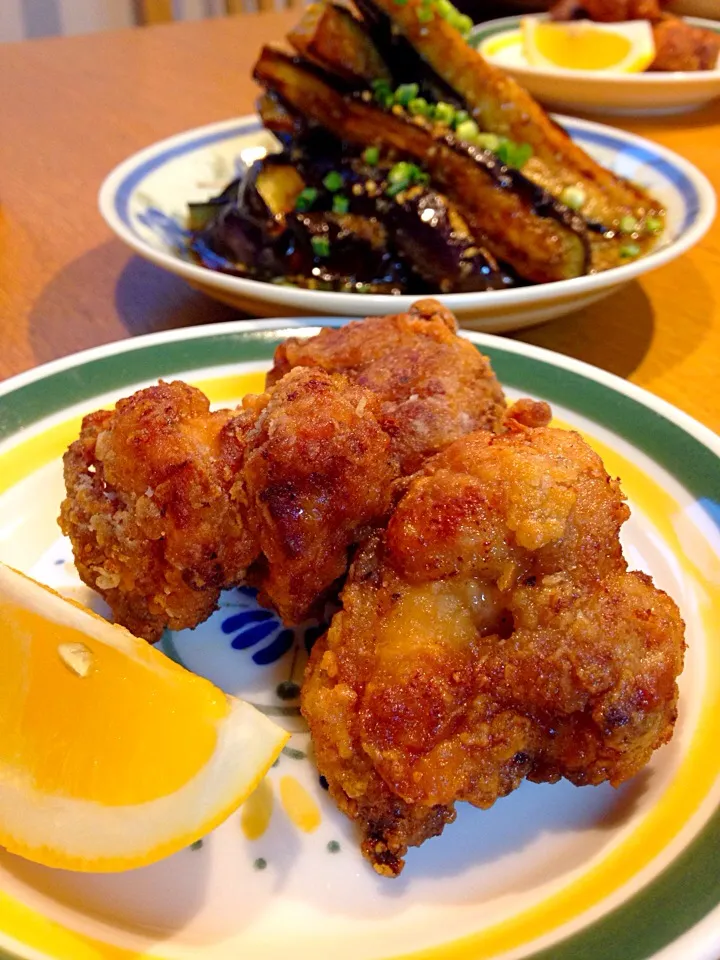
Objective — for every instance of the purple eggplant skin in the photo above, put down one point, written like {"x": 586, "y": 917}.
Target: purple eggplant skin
{"x": 247, "y": 238}
{"x": 425, "y": 229}
{"x": 426, "y": 235}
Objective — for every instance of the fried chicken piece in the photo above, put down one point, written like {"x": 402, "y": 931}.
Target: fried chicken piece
{"x": 148, "y": 509}
{"x": 681, "y": 46}
{"x": 434, "y": 386}
{"x": 608, "y": 11}
{"x": 493, "y": 633}
{"x": 316, "y": 477}
{"x": 167, "y": 503}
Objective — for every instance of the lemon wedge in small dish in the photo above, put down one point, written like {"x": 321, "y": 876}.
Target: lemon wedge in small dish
{"x": 584, "y": 45}
{"x": 111, "y": 755}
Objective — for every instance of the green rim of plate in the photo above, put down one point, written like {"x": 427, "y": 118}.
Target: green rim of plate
{"x": 689, "y": 888}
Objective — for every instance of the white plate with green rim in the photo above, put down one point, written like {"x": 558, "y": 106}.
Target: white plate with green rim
{"x": 594, "y": 91}
{"x": 144, "y": 201}
{"x": 549, "y": 873}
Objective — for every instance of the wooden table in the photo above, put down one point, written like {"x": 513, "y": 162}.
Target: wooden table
{"x": 73, "y": 108}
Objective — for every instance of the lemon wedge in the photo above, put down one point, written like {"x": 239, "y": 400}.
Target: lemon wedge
{"x": 583, "y": 45}
{"x": 111, "y": 755}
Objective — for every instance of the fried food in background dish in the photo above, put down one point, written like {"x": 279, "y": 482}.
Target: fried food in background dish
{"x": 608, "y": 11}
{"x": 681, "y": 46}
{"x": 148, "y": 509}
{"x": 492, "y": 633}
{"x": 317, "y": 474}
{"x": 433, "y": 385}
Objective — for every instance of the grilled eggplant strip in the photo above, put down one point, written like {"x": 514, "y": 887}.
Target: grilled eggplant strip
{"x": 502, "y": 106}
{"x": 499, "y": 205}
{"x": 331, "y": 36}
{"x": 425, "y": 228}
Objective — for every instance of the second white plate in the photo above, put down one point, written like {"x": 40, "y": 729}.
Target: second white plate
{"x": 591, "y": 91}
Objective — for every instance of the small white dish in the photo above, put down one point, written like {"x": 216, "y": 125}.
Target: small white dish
{"x": 144, "y": 201}
{"x": 592, "y": 91}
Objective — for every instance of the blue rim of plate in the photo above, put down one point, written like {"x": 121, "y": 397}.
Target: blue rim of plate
{"x": 678, "y": 178}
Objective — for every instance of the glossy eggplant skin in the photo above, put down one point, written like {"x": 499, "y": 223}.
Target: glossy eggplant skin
{"x": 520, "y": 224}
{"x": 425, "y": 228}
{"x": 259, "y": 234}
{"x": 429, "y": 234}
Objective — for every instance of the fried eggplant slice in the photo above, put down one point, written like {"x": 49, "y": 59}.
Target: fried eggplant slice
{"x": 330, "y": 35}
{"x": 520, "y": 224}
{"x": 502, "y": 106}
{"x": 425, "y": 228}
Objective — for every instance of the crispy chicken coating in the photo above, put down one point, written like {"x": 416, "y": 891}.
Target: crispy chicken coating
{"x": 681, "y": 46}
{"x": 492, "y": 633}
{"x": 434, "y": 386}
{"x": 608, "y": 11}
{"x": 317, "y": 475}
{"x": 168, "y": 503}
{"x": 148, "y": 510}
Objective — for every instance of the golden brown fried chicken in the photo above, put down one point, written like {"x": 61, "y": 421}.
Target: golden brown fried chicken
{"x": 168, "y": 503}
{"x": 433, "y": 385}
{"x": 148, "y": 510}
{"x": 493, "y": 633}
{"x": 317, "y": 474}
{"x": 608, "y": 11}
{"x": 681, "y": 46}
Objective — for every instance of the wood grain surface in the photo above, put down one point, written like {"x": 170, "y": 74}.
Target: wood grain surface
{"x": 75, "y": 107}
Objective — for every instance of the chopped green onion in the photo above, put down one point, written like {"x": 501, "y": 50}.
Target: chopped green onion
{"x": 418, "y": 107}
{"x": 402, "y": 171}
{"x": 460, "y": 117}
{"x": 424, "y": 14}
{"x": 321, "y": 246}
{"x": 628, "y": 225}
{"x": 630, "y": 250}
{"x": 305, "y": 199}
{"x": 445, "y": 113}
{"x": 467, "y": 130}
{"x": 405, "y": 93}
{"x": 400, "y": 3}
{"x": 488, "y": 141}
{"x": 371, "y": 156}
{"x": 404, "y": 175}
{"x": 464, "y": 24}
{"x": 514, "y": 154}
{"x": 445, "y": 8}
{"x": 654, "y": 225}
{"x": 383, "y": 93}
{"x": 340, "y": 203}
{"x": 573, "y": 197}
{"x": 333, "y": 181}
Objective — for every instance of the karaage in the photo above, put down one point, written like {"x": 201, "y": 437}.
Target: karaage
{"x": 316, "y": 477}
{"x": 434, "y": 386}
{"x": 492, "y": 633}
{"x": 168, "y": 503}
{"x": 148, "y": 509}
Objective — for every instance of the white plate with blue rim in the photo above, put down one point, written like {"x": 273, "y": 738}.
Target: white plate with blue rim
{"x": 144, "y": 201}
{"x": 594, "y": 91}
